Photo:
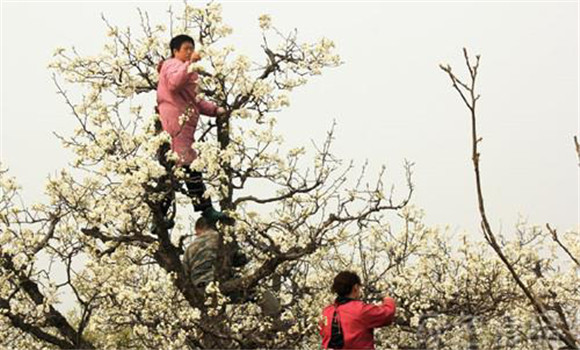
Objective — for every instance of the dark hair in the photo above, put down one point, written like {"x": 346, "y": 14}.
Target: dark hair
{"x": 344, "y": 281}
{"x": 203, "y": 224}
{"x": 176, "y": 42}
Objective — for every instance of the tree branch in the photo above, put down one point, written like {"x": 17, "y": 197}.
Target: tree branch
{"x": 565, "y": 336}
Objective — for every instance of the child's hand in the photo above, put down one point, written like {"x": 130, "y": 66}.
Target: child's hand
{"x": 220, "y": 111}
{"x": 194, "y": 57}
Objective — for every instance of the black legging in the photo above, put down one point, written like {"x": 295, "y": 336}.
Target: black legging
{"x": 196, "y": 189}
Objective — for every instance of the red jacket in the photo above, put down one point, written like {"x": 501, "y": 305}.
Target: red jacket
{"x": 357, "y": 321}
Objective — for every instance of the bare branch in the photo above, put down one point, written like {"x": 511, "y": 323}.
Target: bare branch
{"x": 563, "y": 334}
{"x": 564, "y": 248}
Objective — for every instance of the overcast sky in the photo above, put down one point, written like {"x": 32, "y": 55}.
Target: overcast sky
{"x": 390, "y": 99}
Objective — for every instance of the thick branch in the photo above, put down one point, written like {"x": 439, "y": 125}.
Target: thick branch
{"x": 53, "y": 317}
{"x": 33, "y": 330}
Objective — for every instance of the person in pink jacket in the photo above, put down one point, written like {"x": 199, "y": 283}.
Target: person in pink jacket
{"x": 348, "y": 323}
{"x": 179, "y": 109}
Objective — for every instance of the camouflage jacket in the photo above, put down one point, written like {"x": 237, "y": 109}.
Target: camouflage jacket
{"x": 200, "y": 258}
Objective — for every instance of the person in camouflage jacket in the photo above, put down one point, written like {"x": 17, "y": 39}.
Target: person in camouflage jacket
{"x": 201, "y": 255}
{"x": 200, "y": 263}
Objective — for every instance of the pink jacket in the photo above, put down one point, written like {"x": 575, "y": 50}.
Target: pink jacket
{"x": 357, "y": 320}
{"x": 176, "y": 96}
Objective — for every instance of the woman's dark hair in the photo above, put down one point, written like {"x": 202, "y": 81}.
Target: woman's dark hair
{"x": 176, "y": 42}
{"x": 344, "y": 281}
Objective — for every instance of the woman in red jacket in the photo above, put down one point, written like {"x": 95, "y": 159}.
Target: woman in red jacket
{"x": 349, "y": 323}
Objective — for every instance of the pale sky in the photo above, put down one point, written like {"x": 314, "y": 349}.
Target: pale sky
{"x": 390, "y": 99}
